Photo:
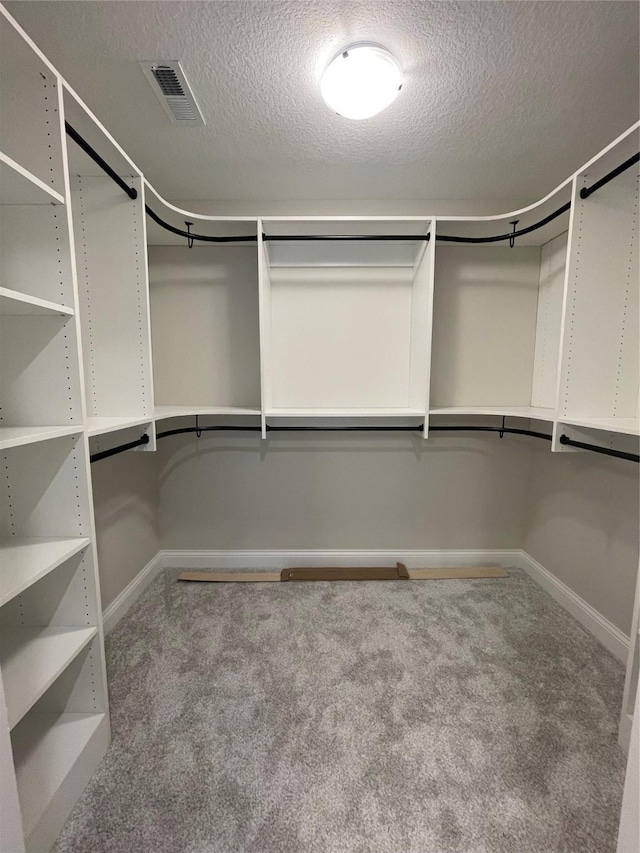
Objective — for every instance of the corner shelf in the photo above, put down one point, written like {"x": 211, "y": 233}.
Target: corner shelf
{"x": 100, "y": 426}
{"x": 164, "y": 412}
{"x": 19, "y": 186}
{"x": 628, "y": 426}
{"x": 32, "y": 659}
{"x": 15, "y": 436}
{"x": 25, "y": 561}
{"x": 535, "y": 412}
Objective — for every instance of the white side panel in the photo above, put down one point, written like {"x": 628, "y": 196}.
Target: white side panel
{"x": 10, "y": 819}
{"x": 110, "y": 252}
{"x": 601, "y": 356}
{"x": 264, "y": 291}
{"x": 629, "y": 832}
{"x": 341, "y": 337}
{"x": 547, "y": 347}
{"x": 484, "y": 325}
{"x": 205, "y": 326}
{"x": 421, "y": 326}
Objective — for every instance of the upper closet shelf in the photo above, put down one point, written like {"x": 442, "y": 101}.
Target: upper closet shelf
{"x": 535, "y": 412}
{"x": 18, "y": 186}
{"x": 25, "y": 561}
{"x": 629, "y": 426}
{"x": 346, "y": 413}
{"x": 18, "y": 435}
{"x": 100, "y": 426}
{"x": 164, "y": 412}
{"x": 13, "y": 303}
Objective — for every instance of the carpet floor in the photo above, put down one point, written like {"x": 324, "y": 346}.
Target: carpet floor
{"x": 398, "y": 717}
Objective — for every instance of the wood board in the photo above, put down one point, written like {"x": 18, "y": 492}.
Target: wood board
{"x": 359, "y": 573}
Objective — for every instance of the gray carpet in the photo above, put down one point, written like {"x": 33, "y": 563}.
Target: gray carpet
{"x": 413, "y": 717}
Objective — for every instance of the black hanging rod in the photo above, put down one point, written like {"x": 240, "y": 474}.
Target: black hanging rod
{"x": 445, "y": 238}
{"x": 132, "y": 192}
{"x": 606, "y": 451}
{"x": 105, "y": 454}
{"x": 585, "y": 192}
{"x": 345, "y": 238}
{"x": 251, "y": 238}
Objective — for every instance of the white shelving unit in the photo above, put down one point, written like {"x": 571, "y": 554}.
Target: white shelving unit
{"x": 346, "y": 325}
{"x": 601, "y": 336}
{"x": 51, "y": 648}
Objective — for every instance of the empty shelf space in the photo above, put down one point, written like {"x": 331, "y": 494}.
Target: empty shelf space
{"x": 535, "y": 412}
{"x": 47, "y": 749}
{"x": 99, "y": 426}
{"x": 163, "y": 412}
{"x": 630, "y": 426}
{"x": 18, "y": 435}
{"x": 18, "y": 186}
{"x": 32, "y": 659}
{"x": 25, "y": 561}
{"x": 13, "y": 303}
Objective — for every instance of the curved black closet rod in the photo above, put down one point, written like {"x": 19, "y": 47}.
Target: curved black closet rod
{"x": 606, "y": 451}
{"x": 252, "y": 238}
{"x": 132, "y": 192}
{"x": 585, "y": 192}
{"x": 105, "y": 454}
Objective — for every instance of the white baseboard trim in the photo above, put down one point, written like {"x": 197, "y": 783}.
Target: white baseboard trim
{"x": 232, "y": 560}
{"x": 119, "y": 606}
{"x": 603, "y": 630}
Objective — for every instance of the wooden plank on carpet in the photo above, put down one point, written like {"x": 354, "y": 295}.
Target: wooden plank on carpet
{"x": 354, "y": 573}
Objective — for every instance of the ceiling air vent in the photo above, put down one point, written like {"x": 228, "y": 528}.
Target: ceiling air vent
{"x": 174, "y": 93}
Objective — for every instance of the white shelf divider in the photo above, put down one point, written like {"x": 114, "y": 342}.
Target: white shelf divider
{"x": 25, "y": 561}
{"x": 19, "y": 186}
{"x": 32, "y": 659}
{"x": 16, "y": 436}
{"x": 13, "y": 304}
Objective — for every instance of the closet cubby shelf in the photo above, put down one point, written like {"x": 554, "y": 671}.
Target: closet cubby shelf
{"x": 628, "y": 426}
{"x": 25, "y": 561}
{"x": 13, "y": 304}
{"x": 19, "y": 186}
{"x": 49, "y": 748}
{"x": 164, "y": 412}
{"x": 100, "y": 426}
{"x": 32, "y": 658}
{"x": 16, "y": 436}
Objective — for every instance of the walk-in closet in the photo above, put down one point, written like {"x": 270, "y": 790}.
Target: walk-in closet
{"x": 258, "y": 329}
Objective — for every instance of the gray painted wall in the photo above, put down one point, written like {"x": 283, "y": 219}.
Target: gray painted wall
{"x": 125, "y": 493}
{"x": 583, "y": 527}
{"x": 361, "y": 491}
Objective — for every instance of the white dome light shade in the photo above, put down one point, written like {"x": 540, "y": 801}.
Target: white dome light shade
{"x": 361, "y": 81}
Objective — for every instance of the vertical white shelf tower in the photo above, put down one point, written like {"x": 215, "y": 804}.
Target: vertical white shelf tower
{"x": 54, "y": 725}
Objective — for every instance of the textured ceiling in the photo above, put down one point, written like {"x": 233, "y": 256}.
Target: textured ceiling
{"x": 501, "y": 100}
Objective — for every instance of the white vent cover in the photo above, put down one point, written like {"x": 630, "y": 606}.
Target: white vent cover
{"x": 174, "y": 93}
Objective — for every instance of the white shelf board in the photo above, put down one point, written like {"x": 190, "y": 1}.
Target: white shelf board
{"x": 535, "y": 412}
{"x": 47, "y": 748}
{"x": 99, "y": 426}
{"x": 163, "y": 412}
{"x": 344, "y": 413}
{"x": 25, "y": 561}
{"x": 32, "y": 659}
{"x": 19, "y": 186}
{"x": 630, "y": 426}
{"x": 13, "y": 303}
{"x": 18, "y": 435}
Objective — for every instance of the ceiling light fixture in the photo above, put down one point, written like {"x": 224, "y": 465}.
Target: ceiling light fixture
{"x": 361, "y": 80}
